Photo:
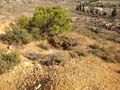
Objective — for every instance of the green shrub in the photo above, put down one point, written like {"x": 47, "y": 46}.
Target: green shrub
{"x": 35, "y": 33}
{"x": 49, "y": 21}
{"x": 17, "y": 36}
{"x": 8, "y": 61}
{"x": 46, "y": 21}
{"x": 23, "y": 22}
{"x": 44, "y": 45}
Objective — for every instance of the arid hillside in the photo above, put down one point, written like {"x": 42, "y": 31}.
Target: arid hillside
{"x": 54, "y": 45}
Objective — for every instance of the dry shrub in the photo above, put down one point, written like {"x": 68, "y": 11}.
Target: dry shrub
{"x": 64, "y": 41}
{"x": 58, "y": 58}
{"x": 107, "y": 54}
{"x": 44, "y": 45}
{"x": 30, "y": 81}
{"x": 71, "y": 76}
{"x": 64, "y": 78}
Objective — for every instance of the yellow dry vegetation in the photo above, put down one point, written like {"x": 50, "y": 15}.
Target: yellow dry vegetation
{"x": 91, "y": 73}
{"x": 5, "y": 25}
{"x": 25, "y": 73}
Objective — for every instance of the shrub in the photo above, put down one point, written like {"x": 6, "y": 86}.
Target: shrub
{"x": 50, "y": 21}
{"x": 63, "y": 41}
{"x": 94, "y": 46}
{"x": 107, "y": 54}
{"x": 73, "y": 54}
{"x": 108, "y": 58}
{"x": 58, "y": 58}
{"x": 32, "y": 56}
{"x": 8, "y": 61}
{"x": 35, "y": 33}
{"x": 23, "y": 22}
{"x": 81, "y": 53}
{"x": 44, "y": 45}
{"x": 17, "y": 36}
{"x": 46, "y": 21}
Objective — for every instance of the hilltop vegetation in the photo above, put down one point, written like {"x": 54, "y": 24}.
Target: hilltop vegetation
{"x": 46, "y": 21}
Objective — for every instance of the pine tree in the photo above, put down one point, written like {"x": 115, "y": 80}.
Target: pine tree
{"x": 50, "y": 20}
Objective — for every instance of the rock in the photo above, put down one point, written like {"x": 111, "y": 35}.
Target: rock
{"x": 73, "y": 19}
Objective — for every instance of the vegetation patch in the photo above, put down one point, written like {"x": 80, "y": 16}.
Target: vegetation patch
{"x": 17, "y": 36}
{"x": 64, "y": 41}
{"x": 46, "y": 21}
{"x": 57, "y": 58}
{"x": 8, "y": 61}
{"x": 44, "y": 45}
{"x": 107, "y": 54}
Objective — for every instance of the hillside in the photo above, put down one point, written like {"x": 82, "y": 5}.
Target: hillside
{"x": 54, "y": 45}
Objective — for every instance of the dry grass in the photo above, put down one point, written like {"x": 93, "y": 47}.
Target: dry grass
{"x": 5, "y": 25}
{"x": 85, "y": 73}
{"x": 23, "y": 75}
{"x": 89, "y": 74}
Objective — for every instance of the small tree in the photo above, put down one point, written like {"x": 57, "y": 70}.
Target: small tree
{"x": 114, "y": 13}
{"x": 49, "y": 21}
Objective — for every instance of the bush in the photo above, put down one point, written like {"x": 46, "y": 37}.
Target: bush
{"x": 64, "y": 41}
{"x": 17, "y": 36}
{"x": 32, "y": 56}
{"x": 47, "y": 21}
{"x": 8, "y": 61}
{"x": 58, "y": 58}
{"x": 23, "y": 22}
{"x": 94, "y": 46}
{"x": 44, "y": 45}
{"x": 107, "y": 54}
